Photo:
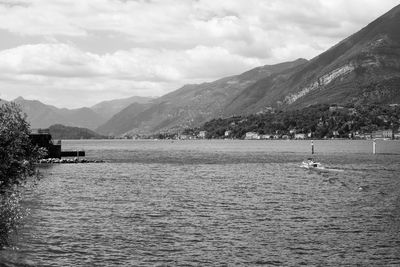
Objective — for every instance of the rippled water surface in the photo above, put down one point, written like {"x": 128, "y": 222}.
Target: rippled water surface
{"x": 215, "y": 203}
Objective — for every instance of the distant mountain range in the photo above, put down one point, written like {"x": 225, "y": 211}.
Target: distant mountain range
{"x": 42, "y": 116}
{"x": 190, "y": 105}
{"x": 363, "y": 68}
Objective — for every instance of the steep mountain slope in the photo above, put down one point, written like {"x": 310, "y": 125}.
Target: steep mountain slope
{"x": 123, "y": 121}
{"x": 192, "y": 104}
{"x": 42, "y": 116}
{"x": 363, "y": 68}
{"x": 107, "y": 109}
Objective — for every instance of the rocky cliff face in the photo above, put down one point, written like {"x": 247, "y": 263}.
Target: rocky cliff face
{"x": 324, "y": 80}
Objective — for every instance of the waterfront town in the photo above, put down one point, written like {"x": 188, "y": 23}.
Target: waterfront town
{"x": 314, "y": 122}
{"x": 388, "y": 134}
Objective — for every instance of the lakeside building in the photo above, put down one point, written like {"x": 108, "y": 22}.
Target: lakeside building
{"x": 265, "y": 136}
{"x": 359, "y": 135}
{"x": 43, "y": 139}
{"x": 202, "y": 134}
{"x": 300, "y": 136}
{"x": 335, "y": 133}
{"x": 184, "y": 137}
{"x": 383, "y": 134}
{"x": 252, "y": 136}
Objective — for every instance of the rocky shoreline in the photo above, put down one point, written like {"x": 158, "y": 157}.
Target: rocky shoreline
{"x": 68, "y": 161}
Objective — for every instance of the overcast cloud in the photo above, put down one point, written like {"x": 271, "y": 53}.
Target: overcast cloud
{"x": 73, "y": 53}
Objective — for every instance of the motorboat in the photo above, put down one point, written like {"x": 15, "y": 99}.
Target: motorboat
{"x": 310, "y": 163}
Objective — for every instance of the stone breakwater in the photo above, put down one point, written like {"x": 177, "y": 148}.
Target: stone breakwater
{"x": 69, "y": 160}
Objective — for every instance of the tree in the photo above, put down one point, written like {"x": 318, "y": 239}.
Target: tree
{"x": 17, "y": 162}
{"x": 17, "y": 154}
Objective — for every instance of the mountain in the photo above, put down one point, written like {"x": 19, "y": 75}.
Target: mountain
{"x": 107, "y": 109}
{"x": 363, "y": 68}
{"x": 42, "y": 116}
{"x": 190, "y": 105}
{"x": 123, "y": 121}
{"x": 62, "y": 132}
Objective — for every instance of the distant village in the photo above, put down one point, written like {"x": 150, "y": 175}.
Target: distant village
{"x": 380, "y": 134}
{"x": 316, "y": 122}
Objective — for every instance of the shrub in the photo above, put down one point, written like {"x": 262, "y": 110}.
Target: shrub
{"x": 11, "y": 215}
{"x": 17, "y": 163}
{"x": 17, "y": 154}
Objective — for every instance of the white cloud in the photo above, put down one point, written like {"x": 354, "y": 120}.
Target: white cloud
{"x": 123, "y": 48}
{"x": 58, "y": 60}
{"x": 62, "y": 69}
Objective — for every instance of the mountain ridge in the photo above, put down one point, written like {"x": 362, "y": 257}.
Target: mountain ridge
{"x": 109, "y": 108}
{"x": 193, "y": 104}
{"x": 362, "y": 68}
{"x": 340, "y": 73}
{"x": 41, "y": 115}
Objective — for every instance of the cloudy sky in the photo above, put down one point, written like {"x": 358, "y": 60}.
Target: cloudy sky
{"x": 74, "y": 53}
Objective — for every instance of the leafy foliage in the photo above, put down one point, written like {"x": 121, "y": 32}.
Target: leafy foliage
{"x": 17, "y": 159}
{"x": 17, "y": 155}
{"x": 320, "y": 120}
{"x": 11, "y": 214}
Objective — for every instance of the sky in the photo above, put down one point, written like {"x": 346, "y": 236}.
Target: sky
{"x": 75, "y": 53}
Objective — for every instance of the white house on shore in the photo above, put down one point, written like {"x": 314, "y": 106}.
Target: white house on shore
{"x": 300, "y": 136}
{"x": 265, "y": 136}
{"x": 252, "y": 136}
{"x": 202, "y": 134}
{"x": 383, "y": 134}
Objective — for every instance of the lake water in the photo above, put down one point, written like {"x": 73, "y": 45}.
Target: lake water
{"x": 215, "y": 203}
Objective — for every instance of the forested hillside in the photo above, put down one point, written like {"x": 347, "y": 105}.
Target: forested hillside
{"x": 60, "y": 132}
{"x": 319, "y": 120}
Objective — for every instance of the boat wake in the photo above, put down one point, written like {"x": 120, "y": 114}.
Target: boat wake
{"x": 311, "y": 164}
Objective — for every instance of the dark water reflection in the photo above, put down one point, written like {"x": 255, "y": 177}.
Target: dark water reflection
{"x": 222, "y": 205}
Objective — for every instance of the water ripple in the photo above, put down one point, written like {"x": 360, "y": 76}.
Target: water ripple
{"x": 221, "y": 208}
